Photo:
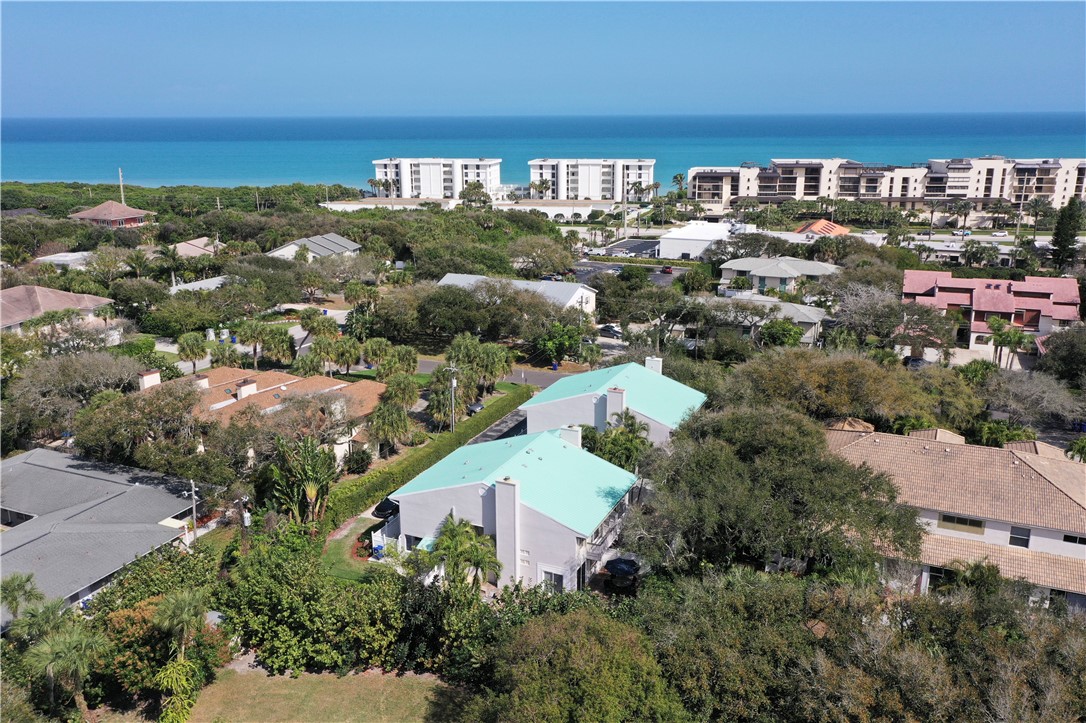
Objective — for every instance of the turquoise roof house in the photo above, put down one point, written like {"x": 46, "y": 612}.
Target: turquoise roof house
{"x": 552, "y": 508}
{"x": 595, "y": 397}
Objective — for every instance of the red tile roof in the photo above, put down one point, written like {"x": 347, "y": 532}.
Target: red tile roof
{"x": 822, "y": 227}
{"x": 110, "y": 211}
{"x": 1056, "y": 298}
{"x": 20, "y": 303}
{"x": 1040, "y": 568}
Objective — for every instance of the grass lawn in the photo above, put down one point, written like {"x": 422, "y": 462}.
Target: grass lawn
{"x": 254, "y": 696}
{"x": 337, "y": 556}
{"x": 217, "y": 540}
{"x": 173, "y": 358}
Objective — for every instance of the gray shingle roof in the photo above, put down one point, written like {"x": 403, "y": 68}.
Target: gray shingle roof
{"x": 91, "y": 519}
{"x": 560, "y": 292}
{"x": 325, "y": 245}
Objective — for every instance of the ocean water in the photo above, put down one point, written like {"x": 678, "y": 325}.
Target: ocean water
{"x": 264, "y": 151}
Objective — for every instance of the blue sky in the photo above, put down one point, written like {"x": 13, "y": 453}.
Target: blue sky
{"x": 374, "y": 59}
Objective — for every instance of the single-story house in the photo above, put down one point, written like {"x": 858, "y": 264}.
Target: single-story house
{"x": 74, "y": 522}
{"x": 808, "y": 318}
{"x": 215, "y": 282}
{"x": 566, "y": 294}
{"x": 19, "y": 304}
{"x": 596, "y": 397}
{"x": 552, "y": 508}
{"x": 329, "y": 244}
{"x": 782, "y": 273}
{"x": 1022, "y": 508}
{"x": 66, "y": 259}
{"x": 113, "y": 215}
{"x": 202, "y": 246}
{"x": 692, "y": 240}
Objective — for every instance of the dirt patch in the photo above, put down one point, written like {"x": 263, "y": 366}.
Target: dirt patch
{"x": 340, "y": 532}
{"x": 245, "y": 663}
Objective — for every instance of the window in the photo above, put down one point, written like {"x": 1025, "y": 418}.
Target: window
{"x": 1019, "y": 537}
{"x": 939, "y": 576}
{"x": 553, "y": 580}
{"x": 1075, "y": 539}
{"x": 961, "y": 524}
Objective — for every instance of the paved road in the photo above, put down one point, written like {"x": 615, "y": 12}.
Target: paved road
{"x": 584, "y": 270}
{"x": 536, "y": 377}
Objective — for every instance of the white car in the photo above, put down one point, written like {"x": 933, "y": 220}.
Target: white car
{"x": 999, "y": 233}
{"x": 962, "y": 232}
{"x": 870, "y": 232}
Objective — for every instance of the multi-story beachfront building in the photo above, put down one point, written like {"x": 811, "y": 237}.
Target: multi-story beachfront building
{"x": 435, "y": 177}
{"x": 985, "y": 181}
{"x": 594, "y": 179}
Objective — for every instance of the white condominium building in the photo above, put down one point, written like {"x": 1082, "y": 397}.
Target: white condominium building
{"x": 435, "y": 177}
{"x": 593, "y": 179}
{"x": 985, "y": 181}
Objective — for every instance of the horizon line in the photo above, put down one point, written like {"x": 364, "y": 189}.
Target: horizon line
{"x": 548, "y": 115}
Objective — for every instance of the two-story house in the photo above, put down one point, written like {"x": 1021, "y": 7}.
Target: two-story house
{"x": 1038, "y": 305}
{"x": 1021, "y": 508}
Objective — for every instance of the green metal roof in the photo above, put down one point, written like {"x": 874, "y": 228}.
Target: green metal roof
{"x": 574, "y": 487}
{"x": 653, "y": 395}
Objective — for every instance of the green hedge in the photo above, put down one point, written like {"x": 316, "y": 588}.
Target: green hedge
{"x": 643, "y": 262}
{"x": 352, "y": 497}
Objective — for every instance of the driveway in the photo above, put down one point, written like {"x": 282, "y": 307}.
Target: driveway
{"x": 585, "y": 269}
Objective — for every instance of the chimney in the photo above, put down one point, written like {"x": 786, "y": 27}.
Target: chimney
{"x": 507, "y": 527}
{"x": 201, "y": 382}
{"x": 571, "y": 434}
{"x": 150, "y": 378}
{"x": 654, "y": 364}
{"x": 616, "y": 404}
{"x": 246, "y": 387}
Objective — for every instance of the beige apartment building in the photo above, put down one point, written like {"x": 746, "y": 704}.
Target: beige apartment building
{"x": 984, "y": 180}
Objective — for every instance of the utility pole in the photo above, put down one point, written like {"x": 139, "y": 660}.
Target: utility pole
{"x": 120, "y": 175}
{"x": 452, "y": 399}
{"x": 192, "y": 484}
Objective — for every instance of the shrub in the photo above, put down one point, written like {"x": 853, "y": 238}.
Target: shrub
{"x": 353, "y": 496}
{"x": 358, "y": 461}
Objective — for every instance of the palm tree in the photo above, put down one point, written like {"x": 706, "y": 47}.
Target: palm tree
{"x": 279, "y": 344}
{"x": 347, "y": 352}
{"x": 106, "y": 313}
{"x": 372, "y": 183}
{"x": 225, "y": 355}
{"x": 324, "y": 348}
{"x": 934, "y": 206}
{"x": 1077, "y": 450}
{"x": 453, "y": 546}
{"x": 679, "y": 182}
{"x": 307, "y": 366}
{"x": 482, "y": 560}
{"x": 39, "y": 621}
{"x": 138, "y": 262}
{"x": 401, "y": 389}
{"x": 18, "y": 589}
{"x": 495, "y": 362}
{"x": 401, "y": 358}
{"x": 962, "y": 208}
{"x": 66, "y": 656}
{"x": 190, "y": 347}
{"x": 302, "y": 475}
{"x": 169, "y": 261}
{"x": 376, "y": 350}
{"x": 252, "y": 333}
{"x": 1015, "y": 340}
{"x": 1038, "y": 207}
{"x": 388, "y": 424}
{"x": 181, "y": 615}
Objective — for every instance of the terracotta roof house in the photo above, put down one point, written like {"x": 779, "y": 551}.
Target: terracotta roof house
{"x": 19, "y": 304}
{"x": 1038, "y": 305}
{"x": 113, "y": 215}
{"x": 822, "y": 227}
{"x": 781, "y": 273}
{"x": 75, "y": 522}
{"x": 202, "y": 246}
{"x": 553, "y": 508}
{"x": 1021, "y": 508}
{"x": 226, "y": 391}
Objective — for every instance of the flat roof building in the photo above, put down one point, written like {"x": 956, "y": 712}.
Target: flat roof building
{"x": 435, "y": 178}
{"x": 593, "y": 179}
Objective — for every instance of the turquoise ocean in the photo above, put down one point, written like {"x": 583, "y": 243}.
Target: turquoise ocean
{"x": 265, "y": 151}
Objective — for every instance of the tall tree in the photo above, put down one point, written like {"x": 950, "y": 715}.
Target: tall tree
{"x": 388, "y": 425}
{"x": 68, "y": 656}
{"x": 252, "y": 333}
{"x": 302, "y": 475}
{"x": 1065, "y": 251}
{"x": 181, "y": 615}
{"x": 190, "y": 348}
{"x": 18, "y": 589}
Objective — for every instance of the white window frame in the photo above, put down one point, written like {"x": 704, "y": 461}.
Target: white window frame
{"x": 542, "y": 569}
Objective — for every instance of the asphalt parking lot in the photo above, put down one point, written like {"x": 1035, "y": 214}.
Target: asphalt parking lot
{"x": 584, "y": 270}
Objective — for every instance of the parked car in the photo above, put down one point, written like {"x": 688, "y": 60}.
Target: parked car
{"x": 667, "y": 270}
{"x": 929, "y": 234}
{"x": 475, "y": 409}
{"x": 869, "y": 232}
{"x": 999, "y": 233}
{"x": 385, "y": 508}
{"x": 611, "y": 331}
{"x": 621, "y": 573}
{"x": 963, "y": 232}
{"x": 616, "y": 270}
{"x": 916, "y": 362}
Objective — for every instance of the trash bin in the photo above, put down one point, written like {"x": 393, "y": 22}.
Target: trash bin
{"x": 233, "y": 339}
{"x": 554, "y": 366}
{"x": 324, "y": 312}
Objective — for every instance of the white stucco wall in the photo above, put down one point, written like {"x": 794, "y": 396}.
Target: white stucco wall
{"x": 675, "y": 248}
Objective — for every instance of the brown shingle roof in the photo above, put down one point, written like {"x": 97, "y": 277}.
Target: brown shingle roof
{"x": 20, "y": 303}
{"x": 996, "y": 484}
{"x": 110, "y": 211}
{"x": 1033, "y": 447}
{"x": 1040, "y": 568}
{"x": 938, "y": 435}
